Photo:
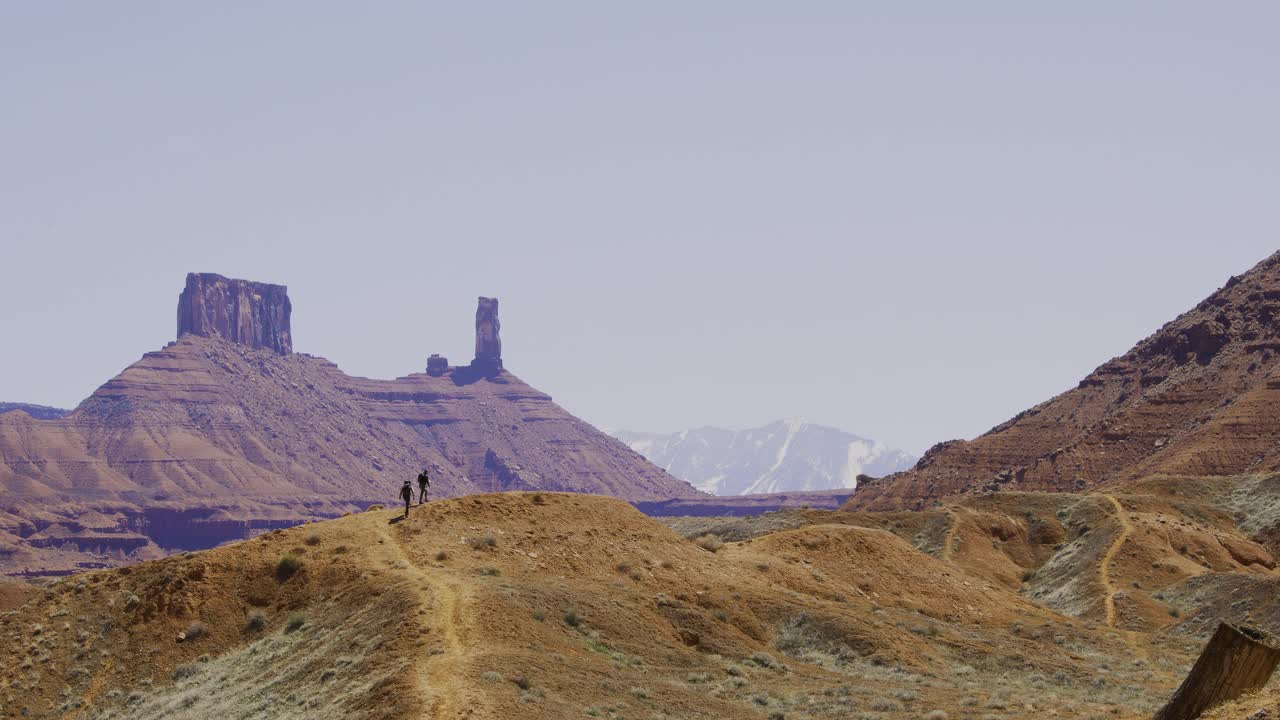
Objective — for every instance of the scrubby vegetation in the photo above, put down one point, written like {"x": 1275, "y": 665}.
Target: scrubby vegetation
{"x": 288, "y": 566}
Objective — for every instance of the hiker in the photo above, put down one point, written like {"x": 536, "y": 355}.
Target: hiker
{"x": 406, "y": 492}
{"x": 424, "y": 482}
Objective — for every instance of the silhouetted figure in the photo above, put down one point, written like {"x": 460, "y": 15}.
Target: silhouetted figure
{"x": 406, "y": 492}
{"x": 424, "y": 482}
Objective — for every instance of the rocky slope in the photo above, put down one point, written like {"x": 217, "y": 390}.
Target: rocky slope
{"x": 783, "y": 456}
{"x": 216, "y": 438}
{"x": 1196, "y": 398}
{"x": 545, "y": 605}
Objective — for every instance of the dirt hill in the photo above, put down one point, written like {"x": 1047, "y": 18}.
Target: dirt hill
{"x": 1196, "y": 398}
{"x": 213, "y": 439}
{"x": 546, "y": 605}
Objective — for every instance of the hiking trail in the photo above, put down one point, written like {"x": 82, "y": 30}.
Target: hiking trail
{"x": 441, "y": 595}
{"x": 1108, "y": 588}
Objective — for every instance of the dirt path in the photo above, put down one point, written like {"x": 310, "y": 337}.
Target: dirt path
{"x": 1108, "y": 588}
{"x": 442, "y": 595}
{"x": 950, "y": 537}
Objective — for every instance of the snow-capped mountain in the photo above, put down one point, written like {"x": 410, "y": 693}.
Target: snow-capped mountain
{"x": 783, "y": 456}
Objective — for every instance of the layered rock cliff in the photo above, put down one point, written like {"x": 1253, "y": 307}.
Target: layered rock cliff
{"x": 1199, "y": 397}
{"x": 249, "y": 313}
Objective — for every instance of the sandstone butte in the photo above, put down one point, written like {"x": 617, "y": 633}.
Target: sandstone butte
{"x": 1196, "y": 398}
{"x": 227, "y": 432}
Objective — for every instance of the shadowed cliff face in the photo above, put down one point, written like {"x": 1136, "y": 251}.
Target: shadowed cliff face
{"x": 1196, "y": 398}
{"x": 249, "y": 313}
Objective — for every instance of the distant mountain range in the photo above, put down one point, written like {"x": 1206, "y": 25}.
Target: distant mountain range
{"x": 40, "y": 412}
{"x": 783, "y": 456}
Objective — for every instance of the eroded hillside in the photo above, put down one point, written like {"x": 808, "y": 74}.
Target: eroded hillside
{"x": 544, "y": 605}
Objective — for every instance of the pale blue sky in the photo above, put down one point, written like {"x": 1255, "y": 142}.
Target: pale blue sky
{"x": 909, "y": 220}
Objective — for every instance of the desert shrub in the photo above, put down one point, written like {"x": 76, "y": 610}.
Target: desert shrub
{"x": 1174, "y": 612}
{"x": 885, "y": 705}
{"x": 571, "y": 618}
{"x": 538, "y": 499}
{"x": 287, "y": 567}
{"x": 490, "y": 571}
{"x": 521, "y": 682}
{"x": 763, "y": 659}
{"x": 667, "y": 565}
{"x": 493, "y": 676}
{"x": 709, "y": 542}
{"x": 312, "y": 539}
{"x": 639, "y": 692}
{"x": 480, "y": 542}
{"x": 623, "y": 568}
{"x": 296, "y": 620}
{"x": 255, "y": 620}
{"x": 936, "y": 715}
{"x": 185, "y": 671}
{"x": 194, "y": 630}
{"x": 341, "y": 549}
{"x": 777, "y": 715}
{"x": 539, "y": 615}
{"x": 722, "y": 616}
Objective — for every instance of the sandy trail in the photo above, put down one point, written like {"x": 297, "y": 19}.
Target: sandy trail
{"x": 442, "y": 596}
{"x": 950, "y": 538}
{"x": 1108, "y": 588}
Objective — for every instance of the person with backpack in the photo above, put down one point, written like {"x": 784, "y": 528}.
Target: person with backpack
{"x": 406, "y": 492}
{"x": 424, "y": 482}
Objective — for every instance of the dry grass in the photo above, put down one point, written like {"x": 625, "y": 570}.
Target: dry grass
{"x": 709, "y": 542}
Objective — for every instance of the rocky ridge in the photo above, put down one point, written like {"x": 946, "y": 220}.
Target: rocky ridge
{"x": 1196, "y": 398}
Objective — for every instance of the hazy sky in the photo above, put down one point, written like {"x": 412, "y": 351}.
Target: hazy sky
{"x": 909, "y": 220}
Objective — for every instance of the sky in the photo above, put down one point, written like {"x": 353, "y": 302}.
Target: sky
{"x": 908, "y": 220}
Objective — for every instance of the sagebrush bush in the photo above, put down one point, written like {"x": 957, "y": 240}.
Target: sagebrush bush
{"x": 571, "y": 618}
{"x": 312, "y": 539}
{"x": 194, "y": 630}
{"x": 709, "y": 542}
{"x": 185, "y": 671}
{"x": 287, "y": 567}
{"x": 480, "y": 542}
{"x": 255, "y": 620}
{"x": 296, "y": 620}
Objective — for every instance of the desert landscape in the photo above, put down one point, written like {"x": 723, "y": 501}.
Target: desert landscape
{"x": 639, "y": 361}
{"x": 1012, "y": 591}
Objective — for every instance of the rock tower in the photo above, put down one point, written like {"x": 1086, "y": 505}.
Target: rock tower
{"x": 250, "y": 313}
{"x": 488, "y": 341}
